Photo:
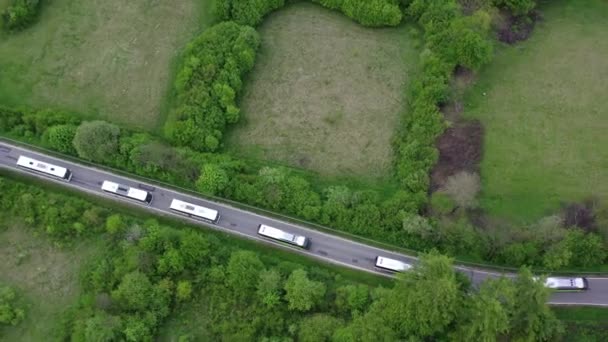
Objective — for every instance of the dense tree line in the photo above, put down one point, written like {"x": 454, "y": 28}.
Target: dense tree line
{"x": 208, "y": 83}
{"x": 395, "y": 219}
{"x": 20, "y": 14}
{"x": 149, "y": 269}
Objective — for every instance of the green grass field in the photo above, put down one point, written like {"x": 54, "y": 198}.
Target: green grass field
{"x": 325, "y": 93}
{"x": 584, "y": 323}
{"x": 545, "y": 113}
{"x": 46, "y": 276}
{"x": 109, "y": 59}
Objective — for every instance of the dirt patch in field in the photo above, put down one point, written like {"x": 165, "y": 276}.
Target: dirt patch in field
{"x": 512, "y": 29}
{"x": 460, "y": 149}
{"x": 581, "y": 215}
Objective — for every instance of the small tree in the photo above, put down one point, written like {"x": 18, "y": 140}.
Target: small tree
{"x": 115, "y": 224}
{"x": 9, "y": 313}
{"x": 303, "y": 294}
{"x": 60, "y": 138}
{"x": 269, "y": 287}
{"x": 184, "y": 290}
{"x": 463, "y": 188}
{"x": 97, "y": 140}
{"x": 213, "y": 179}
{"x": 103, "y": 327}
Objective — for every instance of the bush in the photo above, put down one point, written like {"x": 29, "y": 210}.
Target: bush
{"x": 20, "y": 14}
{"x": 517, "y": 7}
{"x": 10, "y": 312}
{"x": 97, "y": 141}
{"x": 60, "y": 138}
{"x": 463, "y": 188}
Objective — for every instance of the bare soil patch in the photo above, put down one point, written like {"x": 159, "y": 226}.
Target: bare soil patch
{"x": 460, "y": 149}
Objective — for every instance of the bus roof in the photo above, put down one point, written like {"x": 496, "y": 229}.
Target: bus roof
{"x": 557, "y": 282}
{"x": 194, "y": 209}
{"x": 126, "y": 190}
{"x": 281, "y": 235}
{"x": 40, "y": 166}
{"x": 392, "y": 264}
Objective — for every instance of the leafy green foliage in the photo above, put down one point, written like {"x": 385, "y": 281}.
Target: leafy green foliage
{"x": 517, "y": 7}
{"x": 10, "y": 311}
{"x": 213, "y": 179}
{"x": 60, "y": 138}
{"x": 246, "y": 12}
{"x": 301, "y": 293}
{"x": 367, "y": 12}
{"x": 20, "y": 14}
{"x": 208, "y": 83}
{"x": 97, "y": 140}
{"x": 128, "y": 293}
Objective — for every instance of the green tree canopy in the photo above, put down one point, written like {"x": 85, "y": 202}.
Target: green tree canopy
{"x": 303, "y": 294}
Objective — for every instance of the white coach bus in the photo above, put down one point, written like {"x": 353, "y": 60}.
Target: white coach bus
{"x": 277, "y": 234}
{"x": 44, "y": 168}
{"x": 567, "y": 284}
{"x": 391, "y": 264}
{"x": 127, "y": 191}
{"x": 194, "y": 210}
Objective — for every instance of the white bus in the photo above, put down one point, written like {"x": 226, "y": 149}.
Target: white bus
{"x": 195, "y": 210}
{"x": 567, "y": 283}
{"x": 277, "y": 234}
{"x": 127, "y": 191}
{"x": 391, "y": 264}
{"x": 44, "y": 168}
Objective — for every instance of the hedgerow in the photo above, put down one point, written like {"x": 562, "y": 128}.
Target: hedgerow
{"x": 208, "y": 83}
{"x": 370, "y": 13}
{"x": 245, "y": 12}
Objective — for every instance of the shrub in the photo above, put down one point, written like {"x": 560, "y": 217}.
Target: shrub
{"x": 10, "y": 312}
{"x": 20, "y": 14}
{"x": 97, "y": 141}
{"x": 463, "y": 188}
{"x": 517, "y": 7}
{"x": 213, "y": 179}
{"x": 61, "y": 137}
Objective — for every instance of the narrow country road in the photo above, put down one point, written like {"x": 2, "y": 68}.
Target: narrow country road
{"x": 324, "y": 246}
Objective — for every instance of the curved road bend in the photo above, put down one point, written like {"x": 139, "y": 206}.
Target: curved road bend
{"x": 236, "y": 221}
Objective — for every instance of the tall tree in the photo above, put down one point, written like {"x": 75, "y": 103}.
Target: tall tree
{"x": 426, "y": 300}
{"x": 486, "y": 314}
{"x": 532, "y": 319}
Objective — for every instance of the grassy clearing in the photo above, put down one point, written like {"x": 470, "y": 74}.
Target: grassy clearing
{"x": 45, "y": 275}
{"x": 325, "y": 93}
{"x": 544, "y": 112}
{"x": 584, "y": 323}
{"x": 110, "y": 59}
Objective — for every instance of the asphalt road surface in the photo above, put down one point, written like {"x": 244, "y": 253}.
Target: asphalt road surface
{"x": 327, "y": 247}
